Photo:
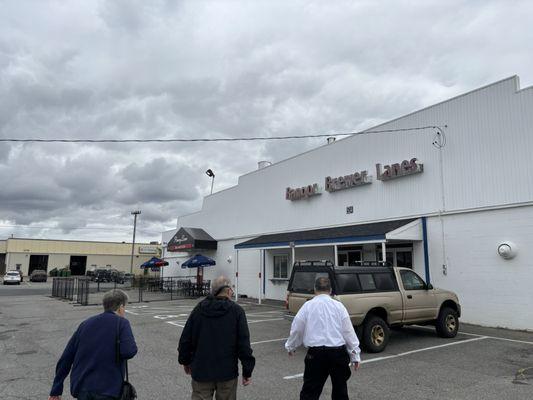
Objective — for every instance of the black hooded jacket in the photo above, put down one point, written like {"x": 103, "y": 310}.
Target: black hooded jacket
{"x": 215, "y": 336}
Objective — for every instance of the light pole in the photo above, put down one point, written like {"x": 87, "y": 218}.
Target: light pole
{"x": 211, "y": 174}
{"x": 134, "y": 213}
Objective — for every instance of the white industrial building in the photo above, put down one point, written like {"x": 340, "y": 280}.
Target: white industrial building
{"x": 448, "y": 192}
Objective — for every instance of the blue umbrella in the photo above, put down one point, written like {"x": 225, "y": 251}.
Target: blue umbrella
{"x": 198, "y": 261}
{"x": 154, "y": 262}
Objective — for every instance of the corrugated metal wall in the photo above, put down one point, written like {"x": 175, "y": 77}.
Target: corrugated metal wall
{"x": 485, "y": 163}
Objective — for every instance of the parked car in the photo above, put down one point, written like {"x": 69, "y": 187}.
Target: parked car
{"x": 21, "y": 275}
{"x": 117, "y": 276}
{"x": 38, "y": 275}
{"x": 101, "y": 275}
{"x": 378, "y": 298}
{"x": 12, "y": 278}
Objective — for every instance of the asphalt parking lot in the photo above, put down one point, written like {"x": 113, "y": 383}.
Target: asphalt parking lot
{"x": 26, "y": 288}
{"x": 481, "y": 363}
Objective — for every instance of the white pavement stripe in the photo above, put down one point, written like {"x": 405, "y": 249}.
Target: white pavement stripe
{"x": 404, "y": 354}
{"x": 175, "y": 323}
{"x": 131, "y": 312}
{"x": 265, "y": 312}
{"x": 499, "y": 338}
{"x": 486, "y": 336}
{"x": 265, "y": 320}
{"x": 293, "y": 376}
{"x": 269, "y": 341}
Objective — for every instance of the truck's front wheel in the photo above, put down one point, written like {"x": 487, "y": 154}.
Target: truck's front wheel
{"x": 376, "y": 334}
{"x": 447, "y": 323}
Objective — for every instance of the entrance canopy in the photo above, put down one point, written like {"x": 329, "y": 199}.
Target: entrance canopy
{"x": 406, "y": 229}
{"x": 191, "y": 239}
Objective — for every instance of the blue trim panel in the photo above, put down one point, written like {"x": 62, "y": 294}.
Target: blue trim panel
{"x": 264, "y": 272}
{"x": 311, "y": 241}
{"x": 426, "y": 251}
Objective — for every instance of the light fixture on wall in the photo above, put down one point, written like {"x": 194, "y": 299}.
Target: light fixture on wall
{"x": 507, "y": 250}
{"x": 228, "y": 259}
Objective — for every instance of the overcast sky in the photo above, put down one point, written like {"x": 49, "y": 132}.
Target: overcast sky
{"x": 188, "y": 69}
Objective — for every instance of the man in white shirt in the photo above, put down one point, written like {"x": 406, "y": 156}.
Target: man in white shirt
{"x": 324, "y": 327}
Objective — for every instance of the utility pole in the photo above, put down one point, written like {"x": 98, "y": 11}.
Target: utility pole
{"x": 134, "y": 213}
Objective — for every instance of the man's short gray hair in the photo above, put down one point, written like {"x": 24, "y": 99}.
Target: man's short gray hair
{"x": 114, "y": 299}
{"x": 322, "y": 284}
{"x": 219, "y": 284}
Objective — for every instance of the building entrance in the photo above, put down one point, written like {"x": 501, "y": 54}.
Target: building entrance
{"x": 38, "y": 261}
{"x": 78, "y": 265}
{"x": 349, "y": 256}
{"x": 398, "y": 257}
{"x": 2, "y": 264}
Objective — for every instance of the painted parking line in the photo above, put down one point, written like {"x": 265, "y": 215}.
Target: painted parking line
{"x": 265, "y": 313}
{"x": 181, "y": 323}
{"x": 404, "y": 353}
{"x": 265, "y": 320}
{"x": 485, "y": 336}
{"x": 268, "y": 341}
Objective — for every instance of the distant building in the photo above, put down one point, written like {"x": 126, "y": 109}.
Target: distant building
{"x": 455, "y": 204}
{"x": 27, "y": 255}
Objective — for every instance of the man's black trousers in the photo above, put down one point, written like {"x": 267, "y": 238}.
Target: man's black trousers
{"x": 321, "y": 362}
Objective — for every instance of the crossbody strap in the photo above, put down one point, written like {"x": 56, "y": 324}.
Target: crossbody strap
{"x": 117, "y": 352}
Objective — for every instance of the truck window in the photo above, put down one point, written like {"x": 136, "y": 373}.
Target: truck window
{"x": 304, "y": 281}
{"x": 385, "y": 281}
{"x": 412, "y": 281}
{"x": 367, "y": 282}
{"x": 348, "y": 283}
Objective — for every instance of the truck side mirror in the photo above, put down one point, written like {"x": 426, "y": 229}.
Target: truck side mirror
{"x": 429, "y": 286}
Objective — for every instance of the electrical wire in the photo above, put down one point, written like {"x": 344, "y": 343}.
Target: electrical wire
{"x": 219, "y": 139}
{"x": 2, "y": 226}
{"x": 439, "y": 141}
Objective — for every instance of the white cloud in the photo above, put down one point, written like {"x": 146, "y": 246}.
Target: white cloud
{"x": 137, "y": 69}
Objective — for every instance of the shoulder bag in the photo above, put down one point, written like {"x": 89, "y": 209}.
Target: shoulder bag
{"x": 127, "y": 392}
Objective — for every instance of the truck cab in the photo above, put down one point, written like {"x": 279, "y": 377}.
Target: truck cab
{"x": 377, "y": 298}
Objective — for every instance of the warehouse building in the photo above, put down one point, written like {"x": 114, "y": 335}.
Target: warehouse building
{"x": 446, "y": 190}
{"x": 27, "y": 255}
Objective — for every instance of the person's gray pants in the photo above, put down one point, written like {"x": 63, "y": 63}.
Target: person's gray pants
{"x": 226, "y": 390}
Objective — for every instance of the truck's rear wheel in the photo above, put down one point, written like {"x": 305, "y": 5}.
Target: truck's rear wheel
{"x": 376, "y": 334}
{"x": 447, "y": 323}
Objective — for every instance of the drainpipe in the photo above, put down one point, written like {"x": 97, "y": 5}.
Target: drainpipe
{"x": 237, "y": 276}
{"x": 426, "y": 251}
{"x": 259, "y": 275}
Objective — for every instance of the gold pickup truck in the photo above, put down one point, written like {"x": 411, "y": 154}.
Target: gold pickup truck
{"x": 378, "y": 298}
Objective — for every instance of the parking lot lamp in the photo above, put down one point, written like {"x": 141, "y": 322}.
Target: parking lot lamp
{"x": 211, "y": 174}
{"x": 134, "y": 213}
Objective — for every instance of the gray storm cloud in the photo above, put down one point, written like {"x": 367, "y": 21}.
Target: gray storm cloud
{"x": 161, "y": 69}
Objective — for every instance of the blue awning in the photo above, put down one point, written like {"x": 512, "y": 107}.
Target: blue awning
{"x": 374, "y": 232}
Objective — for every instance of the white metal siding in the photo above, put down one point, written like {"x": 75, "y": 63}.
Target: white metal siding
{"x": 492, "y": 291}
{"x": 486, "y": 163}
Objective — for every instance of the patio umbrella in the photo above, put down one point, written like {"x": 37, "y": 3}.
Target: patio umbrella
{"x": 154, "y": 262}
{"x": 198, "y": 261}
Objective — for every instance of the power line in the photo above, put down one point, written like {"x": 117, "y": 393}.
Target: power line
{"x": 219, "y": 139}
{"x": 125, "y": 228}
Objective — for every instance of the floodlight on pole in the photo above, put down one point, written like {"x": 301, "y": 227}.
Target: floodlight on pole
{"x": 211, "y": 174}
{"x": 134, "y": 213}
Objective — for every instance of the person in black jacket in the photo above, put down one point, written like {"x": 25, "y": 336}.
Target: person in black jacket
{"x": 214, "y": 338}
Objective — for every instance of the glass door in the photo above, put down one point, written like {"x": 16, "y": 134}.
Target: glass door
{"x": 349, "y": 258}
